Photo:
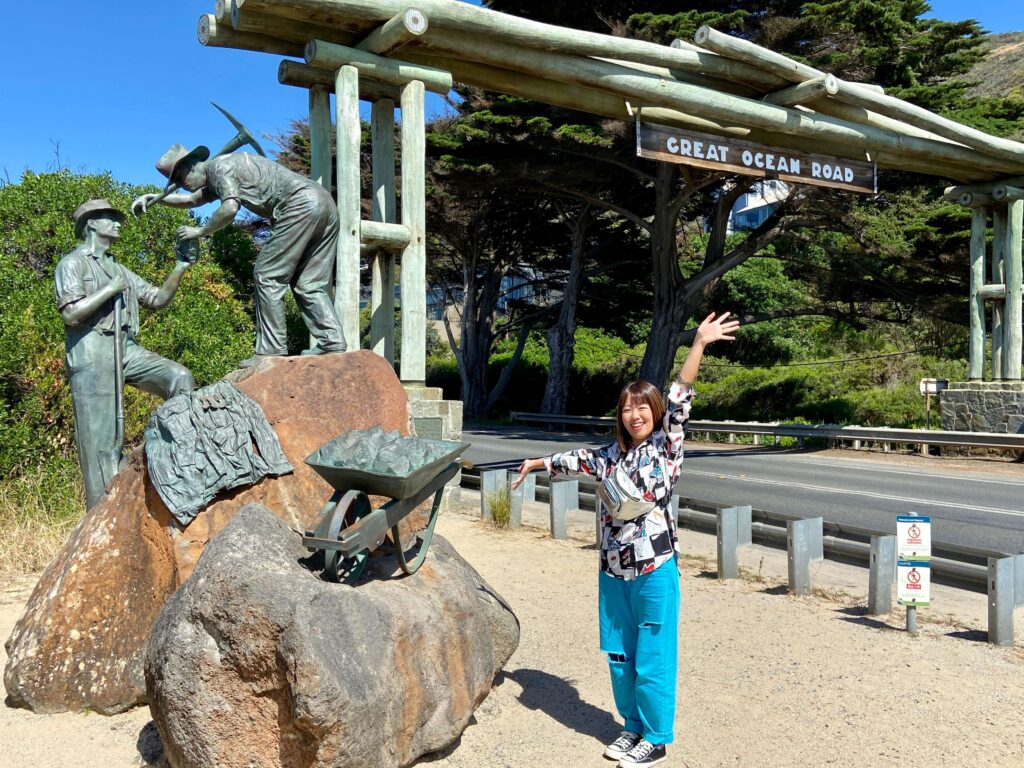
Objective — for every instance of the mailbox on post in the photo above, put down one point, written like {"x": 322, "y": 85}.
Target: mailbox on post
{"x": 928, "y": 388}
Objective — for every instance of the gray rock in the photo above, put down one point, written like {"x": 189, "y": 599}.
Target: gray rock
{"x": 255, "y": 661}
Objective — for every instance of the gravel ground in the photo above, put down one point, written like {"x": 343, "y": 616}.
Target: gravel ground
{"x": 765, "y": 679}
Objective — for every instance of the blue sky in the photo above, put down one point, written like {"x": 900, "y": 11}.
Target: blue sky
{"x": 109, "y": 85}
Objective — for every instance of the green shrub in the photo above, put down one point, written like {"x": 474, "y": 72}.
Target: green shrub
{"x": 208, "y": 327}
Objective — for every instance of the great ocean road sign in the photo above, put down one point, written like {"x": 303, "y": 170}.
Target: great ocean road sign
{"x": 659, "y": 142}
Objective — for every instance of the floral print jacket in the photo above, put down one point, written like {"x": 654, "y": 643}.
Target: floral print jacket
{"x": 630, "y": 548}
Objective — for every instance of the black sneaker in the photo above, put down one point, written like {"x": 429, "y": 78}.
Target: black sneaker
{"x": 643, "y": 754}
{"x": 618, "y": 748}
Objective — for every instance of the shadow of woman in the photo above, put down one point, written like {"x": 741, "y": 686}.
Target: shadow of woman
{"x": 558, "y": 698}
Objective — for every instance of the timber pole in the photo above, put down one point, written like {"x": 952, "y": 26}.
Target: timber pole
{"x": 1013, "y": 316}
{"x": 998, "y": 277}
{"x": 319, "y": 143}
{"x": 976, "y": 342}
{"x": 382, "y": 264}
{"x": 413, "y": 281}
{"x": 346, "y": 287}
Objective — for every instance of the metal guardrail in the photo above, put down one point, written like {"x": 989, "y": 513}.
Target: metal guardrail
{"x": 886, "y": 435}
{"x": 956, "y": 565}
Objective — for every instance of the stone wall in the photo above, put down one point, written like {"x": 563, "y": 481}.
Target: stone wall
{"x": 983, "y": 406}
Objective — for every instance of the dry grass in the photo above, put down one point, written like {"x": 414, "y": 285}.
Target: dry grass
{"x": 500, "y": 504}
{"x": 38, "y": 509}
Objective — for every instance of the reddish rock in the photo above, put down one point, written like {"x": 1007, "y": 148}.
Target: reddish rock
{"x": 81, "y": 640}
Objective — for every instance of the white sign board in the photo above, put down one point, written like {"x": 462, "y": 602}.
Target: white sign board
{"x": 913, "y": 538}
{"x": 913, "y": 582}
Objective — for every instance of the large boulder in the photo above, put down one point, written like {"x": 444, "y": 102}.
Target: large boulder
{"x": 80, "y": 642}
{"x": 256, "y": 661}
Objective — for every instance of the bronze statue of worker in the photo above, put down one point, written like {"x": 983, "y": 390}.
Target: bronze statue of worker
{"x": 88, "y": 283}
{"x": 299, "y": 253}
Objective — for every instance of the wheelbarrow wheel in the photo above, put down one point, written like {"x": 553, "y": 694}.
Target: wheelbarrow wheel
{"x": 350, "y": 508}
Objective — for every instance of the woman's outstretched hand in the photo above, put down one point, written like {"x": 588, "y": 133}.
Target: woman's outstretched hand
{"x": 526, "y": 468}
{"x": 716, "y": 328}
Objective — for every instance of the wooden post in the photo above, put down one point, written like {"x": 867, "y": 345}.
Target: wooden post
{"x": 1012, "y": 316}
{"x": 997, "y": 275}
{"x": 382, "y": 265}
{"x": 976, "y": 344}
{"x": 346, "y": 288}
{"x": 414, "y": 258}
{"x": 319, "y": 144}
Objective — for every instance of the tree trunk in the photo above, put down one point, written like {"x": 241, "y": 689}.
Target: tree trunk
{"x": 561, "y": 336}
{"x": 669, "y": 312}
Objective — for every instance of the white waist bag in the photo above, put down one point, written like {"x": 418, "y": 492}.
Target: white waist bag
{"x": 621, "y": 498}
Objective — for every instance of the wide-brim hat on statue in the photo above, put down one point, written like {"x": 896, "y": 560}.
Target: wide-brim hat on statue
{"x": 90, "y": 208}
{"x": 174, "y": 161}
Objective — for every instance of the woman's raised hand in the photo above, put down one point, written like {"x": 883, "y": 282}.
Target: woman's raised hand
{"x": 717, "y": 328}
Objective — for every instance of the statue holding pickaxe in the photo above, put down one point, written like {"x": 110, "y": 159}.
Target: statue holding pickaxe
{"x": 300, "y": 251}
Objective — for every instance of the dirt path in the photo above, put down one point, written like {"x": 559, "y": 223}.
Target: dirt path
{"x": 765, "y": 679}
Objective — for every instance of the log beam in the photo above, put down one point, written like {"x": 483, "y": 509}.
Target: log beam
{"x": 396, "y": 32}
{"x": 215, "y": 35}
{"x": 301, "y": 75}
{"x": 466, "y": 18}
{"x": 386, "y": 235}
{"x": 325, "y": 55}
{"x": 802, "y": 93}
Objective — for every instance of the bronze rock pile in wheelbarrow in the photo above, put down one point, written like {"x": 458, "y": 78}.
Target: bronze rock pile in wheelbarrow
{"x": 368, "y": 462}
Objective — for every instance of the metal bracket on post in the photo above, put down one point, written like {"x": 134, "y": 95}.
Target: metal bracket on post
{"x": 882, "y": 574}
{"x": 491, "y": 481}
{"x": 798, "y": 547}
{"x": 816, "y": 526}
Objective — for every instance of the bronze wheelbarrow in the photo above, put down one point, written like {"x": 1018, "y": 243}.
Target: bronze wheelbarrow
{"x": 348, "y": 528}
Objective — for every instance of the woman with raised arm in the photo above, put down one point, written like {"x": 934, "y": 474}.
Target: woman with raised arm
{"x": 638, "y": 583}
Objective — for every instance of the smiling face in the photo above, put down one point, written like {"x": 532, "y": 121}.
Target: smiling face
{"x": 638, "y": 419}
{"x": 640, "y": 411}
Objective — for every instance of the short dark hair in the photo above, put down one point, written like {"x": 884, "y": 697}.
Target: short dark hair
{"x": 639, "y": 391}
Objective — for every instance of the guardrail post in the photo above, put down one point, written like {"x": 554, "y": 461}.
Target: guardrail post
{"x": 735, "y": 530}
{"x": 1001, "y": 599}
{"x": 881, "y": 574}
{"x": 491, "y": 481}
{"x": 515, "y": 513}
{"x": 562, "y": 495}
{"x": 798, "y": 548}
{"x": 728, "y": 563}
{"x": 757, "y": 439}
{"x": 816, "y": 527}
{"x": 529, "y": 487}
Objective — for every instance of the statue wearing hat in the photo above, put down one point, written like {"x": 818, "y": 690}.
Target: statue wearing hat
{"x": 99, "y": 301}
{"x": 300, "y": 252}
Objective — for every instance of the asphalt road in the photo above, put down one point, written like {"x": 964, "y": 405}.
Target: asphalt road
{"x": 968, "y": 507}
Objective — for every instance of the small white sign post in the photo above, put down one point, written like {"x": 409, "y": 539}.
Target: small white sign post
{"x": 913, "y": 565}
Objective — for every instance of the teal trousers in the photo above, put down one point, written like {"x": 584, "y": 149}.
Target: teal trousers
{"x": 639, "y": 626}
